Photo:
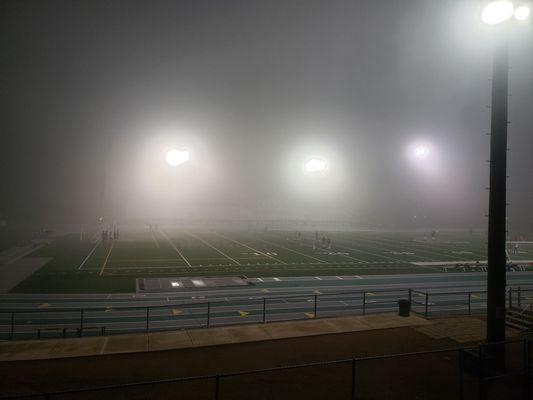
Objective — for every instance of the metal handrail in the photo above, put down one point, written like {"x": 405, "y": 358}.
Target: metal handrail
{"x": 217, "y": 377}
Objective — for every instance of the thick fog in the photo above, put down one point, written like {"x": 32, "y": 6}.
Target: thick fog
{"x": 392, "y": 95}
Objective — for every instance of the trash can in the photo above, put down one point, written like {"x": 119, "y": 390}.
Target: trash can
{"x": 404, "y": 307}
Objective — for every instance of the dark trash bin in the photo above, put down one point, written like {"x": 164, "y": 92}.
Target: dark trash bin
{"x": 404, "y": 307}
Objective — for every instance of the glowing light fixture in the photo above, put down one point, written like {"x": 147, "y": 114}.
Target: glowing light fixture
{"x": 421, "y": 152}
{"x": 522, "y": 12}
{"x": 315, "y": 165}
{"x": 496, "y": 12}
{"x": 176, "y": 157}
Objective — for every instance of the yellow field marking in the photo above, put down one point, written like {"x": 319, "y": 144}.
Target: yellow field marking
{"x": 177, "y": 311}
{"x": 107, "y": 258}
{"x": 44, "y": 305}
{"x": 294, "y": 251}
{"x": 213, "y": 247}
{"x": 317, "y": 292}
{"x": 248, "y": 247}
{"x": 265, "y": 290}
{"x": 310, "y": 315}
{"x": 176, "y": 249}
{"x": 243, "y": 313}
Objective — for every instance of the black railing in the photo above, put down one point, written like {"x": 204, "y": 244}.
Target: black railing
{"x": 77, "y": 322}
{"x": 470, "y": 377}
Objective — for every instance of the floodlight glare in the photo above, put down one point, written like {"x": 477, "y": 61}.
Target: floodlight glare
{"x": 175, "y": 157}
{"x": 522, "y": 13}
{"x": 421, "y": 152}
{"x": 315, "y": 165}
{"x": 496, "y": 12}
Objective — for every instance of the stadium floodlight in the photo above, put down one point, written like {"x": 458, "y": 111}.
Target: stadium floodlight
{"x": 176, "y": 157}
{"x": 496, "y": 12}
{"x": 421, "y": 152}
{"x": 521, "y": 13}
{"x": 315, "y": 165}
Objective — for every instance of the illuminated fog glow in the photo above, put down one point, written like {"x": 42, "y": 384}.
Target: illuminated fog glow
{"x": 497, "y": 12}
{"x": 175, "y": 157}
{"x": 522, "y": 13}
{"x": 315, "y": 165}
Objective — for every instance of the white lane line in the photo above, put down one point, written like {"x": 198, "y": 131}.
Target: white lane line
{"x": 175, "y": 248}
{"x": 259, "y": 279}
{"x": 277, "y": 279}
{"x": 248, "y": 247}
{"x": 294, "y": 251}
{"x": 338, "y": 277}
{"x": 213, "y": 247}
{"x": 89, "y": 255}
{"x": 318, "y": 278}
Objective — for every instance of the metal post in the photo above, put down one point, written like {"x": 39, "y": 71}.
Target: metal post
{"x": 427, "y": 302}
{"x": 264, "y": 309}
{"x": 147, "y": 319}
{"x": 208, "y": 313}
{"x": 469, "y": 304}
{"x": 217, "y": 387}
{"x": 353, "y": 379}
{"x": 527, "y": 369}
{"x": 496, "y": 264}
{"x": 525, "y": 363}
{"x": 12, "y": 332}
{"x": 315, "y": 306}
{"x": 364, "y": 303}
{"x": 460, "y": 358}
{"x": 81, "y": 322}
{"x": 481, "y": 374}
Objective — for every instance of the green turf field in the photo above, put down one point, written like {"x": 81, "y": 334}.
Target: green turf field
{"x": 85, "y": 267}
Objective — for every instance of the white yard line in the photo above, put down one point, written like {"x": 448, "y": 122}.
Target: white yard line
{"x": 89, "y": 255}
{"x": 175, "y": 248}
{"x": 294, "y": 251}
{"x": 213, "y": 247}
{"x": 250, "y": 248}
{"x": 155, "y": 240}
{"x": 107, "y": 257}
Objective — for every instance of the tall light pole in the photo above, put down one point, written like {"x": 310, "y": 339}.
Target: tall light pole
{"x": 498, "y": 13}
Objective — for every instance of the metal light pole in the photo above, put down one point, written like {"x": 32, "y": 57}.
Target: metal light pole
{"x": 497, "y": 197}
{"x": 498, "y": 12}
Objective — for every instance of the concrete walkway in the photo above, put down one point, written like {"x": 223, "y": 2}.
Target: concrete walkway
{"x": 60, "y": 348}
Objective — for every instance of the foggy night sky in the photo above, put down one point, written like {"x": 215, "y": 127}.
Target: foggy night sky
{"x": 93, "y": 91}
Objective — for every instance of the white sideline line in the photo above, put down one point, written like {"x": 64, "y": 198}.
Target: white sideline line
{"x": 213, "y": 247}
{"x": 248, "y": 247}
{"x": 107, "y": 258}
{"x": 175, "y": 248}
{"x": 294, "y": 251}
{"x": 89, "y": 255}
{"x": 155, "y": 240}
